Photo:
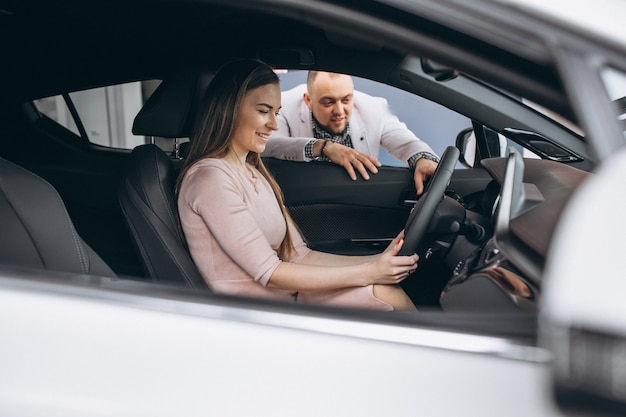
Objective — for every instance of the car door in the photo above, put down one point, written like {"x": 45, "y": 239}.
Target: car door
{"x": 339, "y": 215}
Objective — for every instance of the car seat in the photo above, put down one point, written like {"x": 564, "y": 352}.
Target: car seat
{"x": 37, "y": 231}
{"x": 147, "y": 196}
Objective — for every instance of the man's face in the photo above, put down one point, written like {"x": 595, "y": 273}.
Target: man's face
{"x": 331, "y": 100}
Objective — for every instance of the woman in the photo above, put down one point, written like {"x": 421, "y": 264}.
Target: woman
{"x": 239, "y": 232}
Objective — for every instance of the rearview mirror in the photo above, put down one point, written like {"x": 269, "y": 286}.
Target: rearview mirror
{"x": 437, "y": 71}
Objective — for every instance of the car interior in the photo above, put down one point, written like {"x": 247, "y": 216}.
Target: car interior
{"x": 122, "y": 202}
{"x": 147, "y": 196}
{"x": 38, "y": 232}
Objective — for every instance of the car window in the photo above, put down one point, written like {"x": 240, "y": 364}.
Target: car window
{"x": 105, "y": 113}
{"x": 431, "y": 122}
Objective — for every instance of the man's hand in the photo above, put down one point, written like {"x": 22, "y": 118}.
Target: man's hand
{"x": 351, "y": 159}
{"x": 423, "y": 169}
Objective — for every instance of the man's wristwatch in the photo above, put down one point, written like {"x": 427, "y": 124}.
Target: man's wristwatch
{"x": 412, "y": 161}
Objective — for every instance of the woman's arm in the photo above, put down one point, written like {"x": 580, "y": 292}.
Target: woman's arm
{"x": 317, "y": 258}
{"x": 320, "y": 271}
{"x": 331, "y": 259}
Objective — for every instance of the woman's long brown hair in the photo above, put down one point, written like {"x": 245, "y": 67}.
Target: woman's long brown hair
{"x": 218, "y": 117}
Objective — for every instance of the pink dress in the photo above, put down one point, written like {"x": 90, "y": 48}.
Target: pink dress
{"x": 234, "y": 227}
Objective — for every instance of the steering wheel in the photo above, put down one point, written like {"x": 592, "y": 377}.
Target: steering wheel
{"x": 424, "y": 209}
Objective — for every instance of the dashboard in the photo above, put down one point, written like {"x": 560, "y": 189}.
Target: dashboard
{"x": 498, "y": 251}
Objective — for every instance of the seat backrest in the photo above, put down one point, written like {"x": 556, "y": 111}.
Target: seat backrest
{"x": 148, "y": 202}
{"x": 37, "y": 231}
{"x": 147, "y": 194}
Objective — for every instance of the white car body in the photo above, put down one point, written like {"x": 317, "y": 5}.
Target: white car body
{"x": 141, "y": 356}
{"x": 69, "y": 349}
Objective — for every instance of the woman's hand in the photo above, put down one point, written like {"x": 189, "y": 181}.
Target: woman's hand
{"x": 394, "y": 242}
{"x": 389, "y": 268}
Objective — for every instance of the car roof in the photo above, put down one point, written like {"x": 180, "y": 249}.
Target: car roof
{"x": 109, "y": 41}
{"x": 603, "y": 19}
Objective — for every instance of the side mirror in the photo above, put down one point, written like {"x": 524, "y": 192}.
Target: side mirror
{"x": 479, "y": 142}
{"x": 466, "y": 144}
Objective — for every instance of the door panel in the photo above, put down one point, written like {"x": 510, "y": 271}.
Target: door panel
{"x": 339, "y": 215}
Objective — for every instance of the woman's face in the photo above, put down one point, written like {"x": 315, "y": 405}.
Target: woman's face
{"x": 257, "y": 119}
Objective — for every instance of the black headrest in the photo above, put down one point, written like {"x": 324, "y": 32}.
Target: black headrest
{"x": 168, "y": 113}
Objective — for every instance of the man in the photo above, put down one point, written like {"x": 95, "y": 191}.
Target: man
{"x": 328, "y": 120}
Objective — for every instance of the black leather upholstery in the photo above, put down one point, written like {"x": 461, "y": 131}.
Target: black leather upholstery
{"x": 37, "y": 231}
{"x": 147, "y": 194}
{"x": 148, "y": 203}
{"x": 168, "y": 112}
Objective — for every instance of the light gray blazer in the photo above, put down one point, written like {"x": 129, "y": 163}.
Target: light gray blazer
{"x": 371, "y": 125}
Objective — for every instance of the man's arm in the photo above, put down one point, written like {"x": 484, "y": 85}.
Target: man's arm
{"x": 282, "y": 146}
{"x": 401, "y": 142}
{"x": 396, "y": 138}
{"x": 291, "y": 149}
{"x": 309, "y": 149}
